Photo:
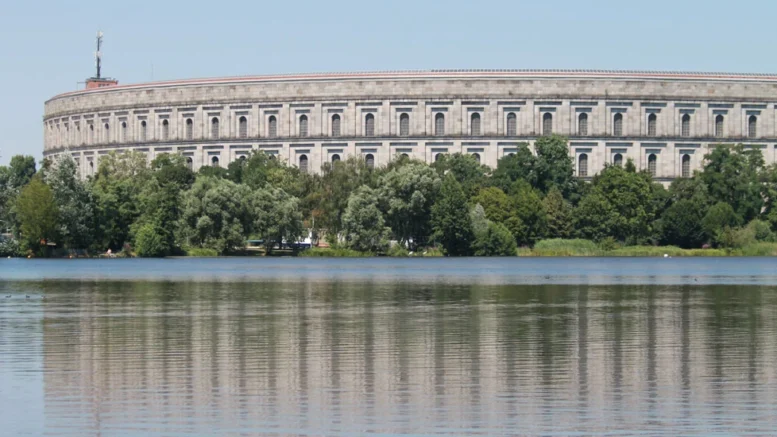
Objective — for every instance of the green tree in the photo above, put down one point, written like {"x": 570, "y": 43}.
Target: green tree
{"x": 117, "y": 186}
{"x": 364, "y": 228}
{"x": 554, "y": 166}
{"x": 594, "y": 217}
{"x": 406, "y": 195}
{"x": 160, "y": 204}
{"x": 530, "y": 211}
{"x": 720, "y": 218}
{"x": 732, "y": 175}
{"x": 452, "y": 228}
{"x": 681, "y": 224}
{"x": 631, "y": 196}
{"x": 7, "y": 198}
{"x": 465, "y": 169}
{"x": 21, "y": 170}
{"x": 215, "y": 214}
{"x": 559, "y": 215}
{"x": 76, "y": 220}
{"x": 496, "y": 240}
{"x": 37, "y": 213}
{"x": 338, "y": 181}
{"x": 171, "y": 169}
{"x": 768, "y": 193}
{"x": 511, "y": 167}
{"x": 276, "y": 216}
{"x": 151, "y": 241}
{"x": 499, "y": 208}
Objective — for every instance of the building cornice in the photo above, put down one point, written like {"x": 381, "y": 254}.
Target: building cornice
{"x": 613, "y": 75}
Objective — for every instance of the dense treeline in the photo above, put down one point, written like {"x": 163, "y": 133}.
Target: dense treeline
{"x": 455, "y": 205}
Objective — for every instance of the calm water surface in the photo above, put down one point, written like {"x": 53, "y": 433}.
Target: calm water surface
{"x": 312, "y": 347}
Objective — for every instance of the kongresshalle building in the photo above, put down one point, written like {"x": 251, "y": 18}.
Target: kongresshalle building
{"x": 664, "y": 121}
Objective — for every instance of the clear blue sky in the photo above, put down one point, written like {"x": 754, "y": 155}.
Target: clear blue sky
{"x": 46, "y": 46}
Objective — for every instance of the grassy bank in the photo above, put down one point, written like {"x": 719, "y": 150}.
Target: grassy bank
{"x": 560, "y": 247}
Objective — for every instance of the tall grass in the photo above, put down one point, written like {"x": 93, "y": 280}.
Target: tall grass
{"x": 756, "y": 249}
{"x": 562, "y": 247}
{"x": 318, "y": 252}
{"x": 580, "y": 247}
{"x": 200, "y": 252}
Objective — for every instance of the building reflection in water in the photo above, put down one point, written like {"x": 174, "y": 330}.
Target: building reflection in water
{"x": 298, "y": 357}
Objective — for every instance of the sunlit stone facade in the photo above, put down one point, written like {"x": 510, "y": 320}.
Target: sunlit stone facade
{"x": 664, "y": 122}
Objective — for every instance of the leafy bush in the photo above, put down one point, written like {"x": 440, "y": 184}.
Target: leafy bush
{"x": 496, "y": 241}
{"x": 150, "y": 242}
{"x": 10, "y": 247}
{"x": 398, "y": 251}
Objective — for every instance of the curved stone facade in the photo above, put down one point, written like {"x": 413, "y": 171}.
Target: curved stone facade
{"x": 664, "y": 122}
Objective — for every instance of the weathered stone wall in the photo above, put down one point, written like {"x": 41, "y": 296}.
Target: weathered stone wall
{"x": 152, "y": 117}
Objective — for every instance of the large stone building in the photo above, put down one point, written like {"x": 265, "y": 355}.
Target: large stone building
{"x": 663, "y": 121}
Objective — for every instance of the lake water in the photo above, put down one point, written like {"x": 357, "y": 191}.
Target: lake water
{"x": 348, "y": 347}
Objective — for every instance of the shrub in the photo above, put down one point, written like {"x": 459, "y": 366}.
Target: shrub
{"x": 10, "y": 247}
{"x": 150, "y": 242}
{"x": 397, "y": 250}
{"x": 497, "y": 240}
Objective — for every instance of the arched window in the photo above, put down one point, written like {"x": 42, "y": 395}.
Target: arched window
{"x": 582, "y": 165}
{"x": 107, "y": 132}
{"x": 189, "y": 129}
{"x": 189, "y": 162}
{"x": 477, "y": 157}
{"x": 437, "y": 157}
{"x": 512, "y": 124}
{"x": 165, "y": 129}
{"x": 123, "y": 131}
{"x": 242, "y": 127}
{"x": 686, "y": 166}
{"x": 91, "y": 167}
{"x": 474, "y": 124}
{"x": 547, "y": 123}
{"x": 303, "y": 163}
{"x": 752, "y": 125}
{"x": 652, "y": 159}
{"x": 439, "y": 124}
{"x": 143, "y": 131}
{"x": 719, "y": 125}
{"x": 214, "y": 161}
{"x": 404, "y": 155}
{"x": 335, "y": 157}
{"x": 404, "y": 125}
{"x": 617, "y": 125}
{"x": 686, "y": 125}
{"x": 214, "y": 128}
{"x": 369, "y": 125}
{"x": 652, "y": 121}
{"x": 582, "y": 124}
{"x": 242, "y": 158}
{"x": 370, "y": 160}
{"x": 272, "y": 127}
{"x": 617, "y": 159}
{"x": 91, "y": 134}
{"x": 303, "y": 126}
{"x": 336, "y": 127}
